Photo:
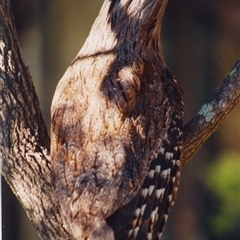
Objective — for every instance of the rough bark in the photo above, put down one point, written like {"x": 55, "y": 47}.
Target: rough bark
{"x": 24, "y": 142}
{"x": 211, "y": 114}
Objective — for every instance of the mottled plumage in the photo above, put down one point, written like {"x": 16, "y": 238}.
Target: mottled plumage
{"x": 116, "y": 128}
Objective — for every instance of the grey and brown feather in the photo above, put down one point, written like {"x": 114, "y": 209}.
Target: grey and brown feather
{"x": 116, "y": 128}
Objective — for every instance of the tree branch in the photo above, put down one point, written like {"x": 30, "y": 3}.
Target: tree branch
{"x": 211, "y": 114}
{"x": 24, "y": 142}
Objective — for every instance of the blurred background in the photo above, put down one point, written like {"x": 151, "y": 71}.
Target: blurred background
{"x": 201, "y": 43}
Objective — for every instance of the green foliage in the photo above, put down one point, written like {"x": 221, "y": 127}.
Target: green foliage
{"x": 223, "y": 181}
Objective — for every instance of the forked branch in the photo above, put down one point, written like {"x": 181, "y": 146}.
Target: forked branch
{"x": 24, "y": 142}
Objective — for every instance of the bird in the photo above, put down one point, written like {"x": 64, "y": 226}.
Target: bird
{"x": 116, "y": 128}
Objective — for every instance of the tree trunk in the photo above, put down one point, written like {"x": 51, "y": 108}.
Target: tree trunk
{"x": 24, "y": 149}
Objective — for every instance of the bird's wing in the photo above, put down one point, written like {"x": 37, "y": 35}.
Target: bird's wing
{"x": 144, "y": 217}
